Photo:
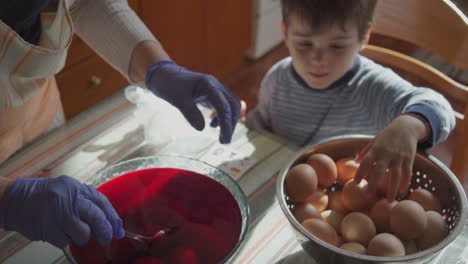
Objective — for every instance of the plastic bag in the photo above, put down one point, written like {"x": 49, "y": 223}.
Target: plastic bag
{"x": 165, "y": 125}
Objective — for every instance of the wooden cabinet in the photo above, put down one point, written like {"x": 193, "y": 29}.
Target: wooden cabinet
{"x": 228, "y": 26}
{"x": 86, "y": 78}
{"x": 87, "y": 83}
{"x": 209, "y": 36}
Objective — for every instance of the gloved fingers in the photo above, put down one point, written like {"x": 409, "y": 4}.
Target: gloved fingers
{"x": 223, "y": 109}
{"x": 104, "y": 204}
{"x": 193, "y": 115}
{"x": 214, "y": 122}
{"x": 78, "y": 231}
{"x": 235, "y": 106}
{"x": 205, "y": 103}
{"x": 59, "y": 240}
{"x": 91, "y": 214}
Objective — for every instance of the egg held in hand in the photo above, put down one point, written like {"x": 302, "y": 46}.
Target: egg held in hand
{"x": 301, "y": 182}
{"x": 356, "y": 197}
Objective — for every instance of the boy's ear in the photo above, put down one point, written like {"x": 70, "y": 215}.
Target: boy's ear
{"x": 365, "y": 39}
{"x": 283, "y": 29}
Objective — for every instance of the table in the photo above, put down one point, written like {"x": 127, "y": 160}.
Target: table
{"x": 110, "y": 132}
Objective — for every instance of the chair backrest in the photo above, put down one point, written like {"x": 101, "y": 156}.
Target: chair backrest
{"x": 453, "y": 152}
{"x": 436, "y": 25}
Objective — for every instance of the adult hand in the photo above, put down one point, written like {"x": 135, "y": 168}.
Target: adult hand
{"x": 391, "y": 153}
{"x": 58, "y": 211}
{"x": 184, "y": 89}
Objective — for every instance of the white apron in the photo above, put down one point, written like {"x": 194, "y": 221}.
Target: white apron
{"x": 29, "y": 98}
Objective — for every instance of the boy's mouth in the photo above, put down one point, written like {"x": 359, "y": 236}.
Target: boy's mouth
{"x": 318, "y": 75}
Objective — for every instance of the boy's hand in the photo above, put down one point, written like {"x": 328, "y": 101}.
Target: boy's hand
{"x": 243, "y": 111}
{"x": 393, "y": 149}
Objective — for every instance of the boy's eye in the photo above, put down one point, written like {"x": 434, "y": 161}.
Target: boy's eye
{"x": 337, "y": 47}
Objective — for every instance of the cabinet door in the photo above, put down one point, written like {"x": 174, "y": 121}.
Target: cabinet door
{"x": 86, "y": 79}
{"x": 179, "y": 26}
{"x": 87, "y": 83}
{"x": 209, "y": 36}
{"x": 228, "y": 26}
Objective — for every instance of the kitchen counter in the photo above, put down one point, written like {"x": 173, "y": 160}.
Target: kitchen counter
{"x": 109, "y": 133}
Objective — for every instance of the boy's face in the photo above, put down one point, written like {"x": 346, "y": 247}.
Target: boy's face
{"x": 322, "y": 56}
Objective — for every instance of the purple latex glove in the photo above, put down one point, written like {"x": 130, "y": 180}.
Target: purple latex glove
{"x": 184, "y": 89}
{"x": 58, "y": 211}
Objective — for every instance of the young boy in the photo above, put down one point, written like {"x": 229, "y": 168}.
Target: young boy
{"x": 325, "y": 88}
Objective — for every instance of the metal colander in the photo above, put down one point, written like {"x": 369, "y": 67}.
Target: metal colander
{"x": 428, "y": 173}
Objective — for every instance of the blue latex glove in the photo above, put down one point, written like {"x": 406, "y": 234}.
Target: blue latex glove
{"x": 184, "y": 89}
{"x": 59, "y": 210}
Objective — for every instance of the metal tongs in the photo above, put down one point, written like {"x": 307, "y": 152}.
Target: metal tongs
{"x": 142, "y": 243}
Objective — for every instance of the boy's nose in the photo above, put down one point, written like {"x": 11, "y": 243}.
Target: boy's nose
{"x": 318, "y": 55}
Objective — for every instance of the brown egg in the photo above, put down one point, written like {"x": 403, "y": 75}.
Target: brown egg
{"x": 386, "y": 245}
{"x": 301, "y": 182}
{"x": 436, "y": 230}
{"x": 325, "y": 168}
{"x": 335, "y": 202}
{"x": 408, "y": 220}
{"x": 322, "y": 230}
{"x": 334, "y": 218}
{"x": 354, "y": 247}
{"x": 305, "y": 211}
{"x": 347, "y": 169}
{"x": 356, "y": 197}
{"x": 380, "y": 214}
{"x": 358, "y": 227}
{"x": 319, "y": 199}
{"x": 426, "y": 199}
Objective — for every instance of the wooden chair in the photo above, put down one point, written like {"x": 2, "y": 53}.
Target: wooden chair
{"x": 454, "y": 151}
{"x": 434, "y": 25}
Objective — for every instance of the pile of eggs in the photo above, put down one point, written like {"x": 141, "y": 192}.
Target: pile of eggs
{"x": 330, "y": 205}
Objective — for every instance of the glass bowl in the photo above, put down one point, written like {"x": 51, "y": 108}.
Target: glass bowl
{"x": 122, "y": 172}
{"x": 428, "y": 173}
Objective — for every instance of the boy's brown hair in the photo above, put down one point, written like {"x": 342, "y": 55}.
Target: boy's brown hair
{"x": 317, "y": 13}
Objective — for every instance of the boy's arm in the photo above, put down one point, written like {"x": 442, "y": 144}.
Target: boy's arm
{"x": 254, "y": 120}
{"x": 259, "y": 117}
{"x": 407, "y": 116}
{"x": 389, "y": 96}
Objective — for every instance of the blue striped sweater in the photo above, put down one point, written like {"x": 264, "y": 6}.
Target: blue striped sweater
{"x": 364, "y": 101}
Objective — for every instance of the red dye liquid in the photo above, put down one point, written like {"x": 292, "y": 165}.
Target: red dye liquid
{"x": 206, "y": 217}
